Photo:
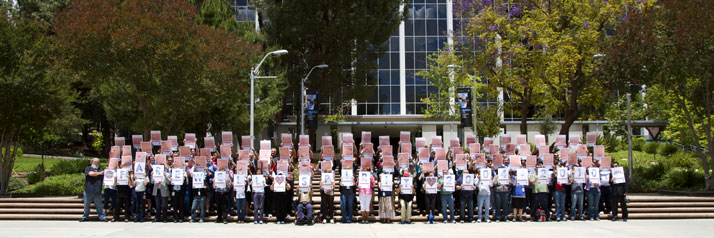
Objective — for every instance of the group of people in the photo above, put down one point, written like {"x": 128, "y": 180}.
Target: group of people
{"x": 489, "y": 182}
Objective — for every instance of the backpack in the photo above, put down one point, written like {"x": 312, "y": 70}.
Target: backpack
{"x": 540, "y": 215}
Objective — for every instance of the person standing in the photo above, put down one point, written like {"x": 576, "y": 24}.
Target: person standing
{"x": 466, "y": 186}
{"x": 123, "y": 200}
{"x": 140, "y": 197}
{"x": 223, "y": 195}
{"x": 502, "y": 200}
{"x": 199, "y": 195}
{"x": 447, "y": 199}
{"x": 483, "y": 199}
{"x": 518, "y": 200}
{"x": 405, "y": 199}
{"x": 258, "y": 187}
{"x": 93, "y": 177}
{"x": 619, "y": 195}
{"x": 281, "y": 196}
{"x": 327, "y": 197}
{"x": 347, "y": 197}
{"x": 386, "y": 202}
{"x": 430, "y": 196}
{"x": 593, "y": 194}
{"x": 540, "y": 195}
{"x": 559, "y": 195}
{"x": 365, "y": 198}
{"x": 577, "y": 191}
{"x": 161, "y": 196}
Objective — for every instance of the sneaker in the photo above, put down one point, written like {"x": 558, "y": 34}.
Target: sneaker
{"x": 332, "y": 221}
{"x": 324, "y": 221}
{"x": 401, "y": 222}
{"x": 488, "y": 221}
{"x": 478, "y": 221}
{"x": 453, "y": 222}
{"x": 83, "y": 220}
{"x": 462, "y": 222}
{"x": 261, "y": 222}
{"x": 225, "y": 222}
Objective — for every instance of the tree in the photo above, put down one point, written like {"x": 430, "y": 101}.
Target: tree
{"x": 441, "y": 105}
{"x": 347, "y": 35}
{"x": 36, "y": 96}
{"x": 669, "y": 44}
{"x": 153, "y": 67}
{"x": 41, "y": 10}
{"x": 547, "y": 51}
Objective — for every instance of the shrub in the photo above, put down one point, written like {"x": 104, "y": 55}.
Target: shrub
{"x": 668, "y": 149}
{"x": 638, "y": 143}
{"x": 16, "y": 183}
{"x": 683, "y": 179}
{"x": 652, "y": 147}
{"x": 682, "y": 160}
{"x": 18, "y": 152}
{"x": 610, "y": 142}
{"x": 651, "y": 171}
{"x": 36, "y": 175}
{"x": 69, "y": 166}
{"x": 66, "y": 184}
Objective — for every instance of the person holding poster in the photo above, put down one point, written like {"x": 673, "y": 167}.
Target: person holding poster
{"x": 177, "y": 191}
{"x": 540, "y": 194}
{"x": 124, "y": 187}
{"x": 561, "y": 173}
{"x": 406, "y": 196}
{"x": 304, "y": 208}
{"x": 240, "y": 178}
{"x": 430, "y": 184}
{"x": 139, "y": 198}
{"x": 447, "y": 184}
{"x": 258, "y": 186}
{"x": 619, "y": 191}
{"x": 160, "y": 192}
{"x": 576, "y": 196}
{"x": 222, "y": 187}
{"x": 466, "y": 184}
{"x": 518, "y": 197}
{"x": 501, "y": 198}
{"x": 198, "y": 185}
{"x": 386, "y": 202}
{"x": 93, "y": 178}
{"x": 483, "y": 206}
{"x": 347, "y": 191}
{"x": 366, "y": 185}
{"x": 593, "y": 193}
{"x": 280, "y": 188}
{"x": 327, "y": 196}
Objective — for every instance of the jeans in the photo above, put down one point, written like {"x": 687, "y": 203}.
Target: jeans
{"x": 258, "y": 199}
{"x": 406, "y": 209}
{"x": 95, "y": 198}
{"x": 140, "y": 206}
{"x": 240, "y": 208}
{"x": 576, "y": 199}
{"x": 198, "y": 202}
{"x": 467, "y": 202}
{"x": 593, "y": 201}
{"x": 347, "y": 203}
{"x": 559, "y": 204}
{"x": 304, "y": 210}
{"x": 501, "y": 206}
{"x": 447, "y": 199}
{"x": 110, "y": 197}
{"x": 484, "y": 204}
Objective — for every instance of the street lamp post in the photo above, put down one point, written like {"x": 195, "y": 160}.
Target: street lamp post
{"x": 254, "y": 71}
{"x": 302, "y": 100}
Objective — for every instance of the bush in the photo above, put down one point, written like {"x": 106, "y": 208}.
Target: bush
{"x": 66, "y": 184}
{"x": 668, "y": 149}
{"x": 651, "y": 171}
{"x": 682, "y": 160}
{"x": 18, "y": 152}
{"x": 683, "y": 179}
{"x": 610, "y": 142}
{"x": 69, "y": 167}
{"x": 638, "y": 143}
{"x": 16, "y": 183}
{"x": 36, "y": 175}
{"x": 652, "y": 147}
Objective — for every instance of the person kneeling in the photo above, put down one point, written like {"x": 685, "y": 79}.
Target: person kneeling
{"x": 304, "y": 209}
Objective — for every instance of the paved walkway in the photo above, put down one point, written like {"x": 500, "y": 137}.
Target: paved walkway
{"x": 633, "y": 228}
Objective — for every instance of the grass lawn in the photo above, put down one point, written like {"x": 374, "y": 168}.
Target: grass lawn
{"x": 26, "y": 164}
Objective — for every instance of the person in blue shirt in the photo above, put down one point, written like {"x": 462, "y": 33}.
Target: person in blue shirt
{"x": 518, "y": 200}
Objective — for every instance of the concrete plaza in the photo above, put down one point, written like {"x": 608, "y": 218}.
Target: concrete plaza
{"x": 632, "y": 228}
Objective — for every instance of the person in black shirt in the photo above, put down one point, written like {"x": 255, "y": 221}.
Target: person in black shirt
{"x": 619, "y": 194}
{"x": 93, "y": 190}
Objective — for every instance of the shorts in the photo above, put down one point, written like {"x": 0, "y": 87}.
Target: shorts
{"x": 364, "y": 202}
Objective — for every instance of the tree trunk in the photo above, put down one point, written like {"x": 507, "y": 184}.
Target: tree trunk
{"x": 525, "y": 105}
{"x": 709, "y": 181}
{"x": 108, "y": 136}
{"x": 571, "y": 114}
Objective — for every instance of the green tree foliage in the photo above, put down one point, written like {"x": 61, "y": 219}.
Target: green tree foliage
{"x": 36, "y": 96}
{"x": 669, "y": 44}
{"x": 441, "y": 105}
{"x": 347, "y": 35}
{"x": 542, "y": 52}
{"x": 41, "y": 10}
{"x": 153, "y": 67}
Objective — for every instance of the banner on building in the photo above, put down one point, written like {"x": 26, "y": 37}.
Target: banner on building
{"x": 463, "y": 98}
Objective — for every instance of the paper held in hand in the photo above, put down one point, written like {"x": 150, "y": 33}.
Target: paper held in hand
{"x": 618, "y": 175}
{"x": 522, "y": 177}
{"x": 347, "y": 178}
{"x": 328, "y": 181}
{"x": 198, "y": 180}
{"x": 364, "y": 180}
{"x": 405, "y": 185}
{"x": 386, "y": 182}
{"x": 449, "y": 183}
{"x": 177, "y": 176}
